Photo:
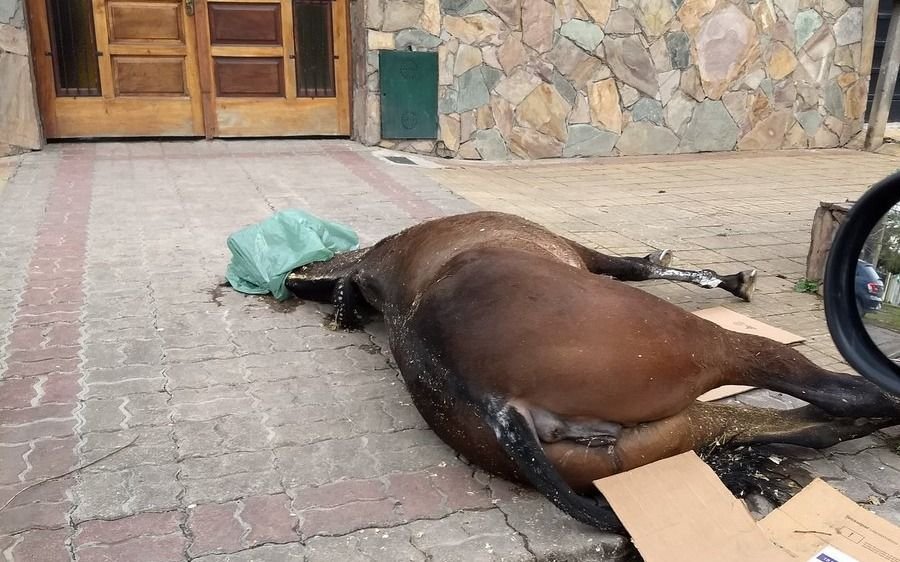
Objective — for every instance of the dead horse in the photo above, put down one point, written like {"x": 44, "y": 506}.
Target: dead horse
{"x": 523, "y": 353}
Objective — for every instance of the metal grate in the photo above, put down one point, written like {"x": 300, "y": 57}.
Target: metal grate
{"x": 314, "y": 48}
{"x": 74, "y": 49}
{"x": 401, "y": 160}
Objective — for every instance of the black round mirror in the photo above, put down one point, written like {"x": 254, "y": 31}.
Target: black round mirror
{"x": 862, "y": 285}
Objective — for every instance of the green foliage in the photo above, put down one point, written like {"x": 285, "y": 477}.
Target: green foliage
{"x": 889, "y": 259}
{"x": 806, "y": 286}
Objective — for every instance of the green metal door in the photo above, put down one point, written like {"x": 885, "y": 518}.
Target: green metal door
{"x": 409, "y": 87}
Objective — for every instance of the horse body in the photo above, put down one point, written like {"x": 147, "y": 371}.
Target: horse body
{"x": 524, "y": 355}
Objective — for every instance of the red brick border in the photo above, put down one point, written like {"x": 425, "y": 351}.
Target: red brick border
{"x": 367, "y": 171}
{"x": 39, "y": 388}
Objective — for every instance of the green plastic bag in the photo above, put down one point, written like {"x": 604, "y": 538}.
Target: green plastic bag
{"x": 264, "y": 254}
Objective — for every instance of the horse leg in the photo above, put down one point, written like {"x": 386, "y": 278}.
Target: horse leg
{"x": 768, "y": 364}
{"x": 697, "y": 427}
{"x": 656, "y": 266}
{"x": 332, "y": 282}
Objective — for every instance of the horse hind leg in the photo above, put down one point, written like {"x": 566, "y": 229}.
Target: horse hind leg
{"x": 700, "y": 426}
{"x": 764, "y": 363}
{"x": 657, "y": 266}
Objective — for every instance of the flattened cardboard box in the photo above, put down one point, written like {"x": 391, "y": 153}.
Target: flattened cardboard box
{"x": 677, "y": 510}
{"x": 736, "y": 322}
{"x": 820, "y": 517}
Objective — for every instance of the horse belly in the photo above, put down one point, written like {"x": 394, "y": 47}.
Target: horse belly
{"x": 573, "y": 343}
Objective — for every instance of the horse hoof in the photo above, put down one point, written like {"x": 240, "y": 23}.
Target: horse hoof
{"x": 747, "y": 284}
{"x": 662, "y": 258}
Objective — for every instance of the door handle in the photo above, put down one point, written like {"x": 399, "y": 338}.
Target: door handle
{"x": 189, "y": 7}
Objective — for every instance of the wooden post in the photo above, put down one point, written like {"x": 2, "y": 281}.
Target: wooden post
{"x": 887, "y": 81}
{"x": 867, "y": 46}
{"x": 826, "y": 221}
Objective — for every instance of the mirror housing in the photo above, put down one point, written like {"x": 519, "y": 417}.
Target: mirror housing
{"x": 844, "y": 321}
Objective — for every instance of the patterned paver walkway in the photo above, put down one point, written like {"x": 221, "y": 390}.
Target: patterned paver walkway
{"x": 262, "y": 436}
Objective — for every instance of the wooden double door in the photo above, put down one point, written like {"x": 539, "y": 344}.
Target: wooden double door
{"x": 214, "y": 68}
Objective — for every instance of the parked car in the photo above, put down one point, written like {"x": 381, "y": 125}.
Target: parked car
{"x": 869, "y": 288}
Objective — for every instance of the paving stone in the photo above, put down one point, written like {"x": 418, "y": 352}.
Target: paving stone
{"x": 469, "y": 535}
{"x": 164, "y": 549}
{"x": 208, "y": 403}
{"x": 37, "y": 546}
{"x": 124, "y": 412}
{"x": 321, "y": 463}
{"x": 269, "y": 518}
{"x": 110, "y": 495}
{"x": 229, "y": 476}
{"x": 528, "y": 513}
{"x": 267, "y": 553}
{"x": 215, "y": 529}
{"x": 369, "y": 544}
{"x": 38, "y": 515}
{"x": 158, "y": 533}
{"x": 232, "y": 433}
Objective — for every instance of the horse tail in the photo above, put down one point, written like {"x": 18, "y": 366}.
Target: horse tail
{"x": 520, "y": 442}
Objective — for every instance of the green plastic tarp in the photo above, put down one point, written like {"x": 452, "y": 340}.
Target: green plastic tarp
{"x": 264, "y": 254}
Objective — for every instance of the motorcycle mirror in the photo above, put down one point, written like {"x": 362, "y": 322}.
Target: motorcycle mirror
{"x": 862, "y": 285}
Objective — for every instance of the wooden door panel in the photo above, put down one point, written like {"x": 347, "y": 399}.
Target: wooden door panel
{"x": 249, "y": 76}
{"x": 240, "y": 117}
{"x": 145, "y": 21}
{"x": 125, "y": 117}
{"x": 149, "y": 76}
{"x": 244, "y": 24}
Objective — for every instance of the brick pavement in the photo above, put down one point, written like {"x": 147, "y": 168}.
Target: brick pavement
{"x": 262, "y": 436}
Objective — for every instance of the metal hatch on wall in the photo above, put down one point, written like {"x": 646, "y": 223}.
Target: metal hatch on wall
{"x": 131, "y": 68}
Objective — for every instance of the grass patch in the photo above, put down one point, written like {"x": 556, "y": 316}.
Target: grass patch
{"x": 888, "y": 317}
{"x": 806, "y": 286}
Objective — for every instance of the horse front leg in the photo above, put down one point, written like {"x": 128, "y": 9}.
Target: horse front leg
{"x": 656, "y": 266}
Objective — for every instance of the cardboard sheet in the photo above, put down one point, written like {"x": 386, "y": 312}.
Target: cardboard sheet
{"x": 736, "y": 322}
{"x": 677, "y": 510}
{"x": 821, "y": 520}
{"x": 723, "y": 392}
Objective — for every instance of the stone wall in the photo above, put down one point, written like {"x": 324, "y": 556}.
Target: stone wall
{"x": 539, "y": 79}
{"x": 19, "y": 126}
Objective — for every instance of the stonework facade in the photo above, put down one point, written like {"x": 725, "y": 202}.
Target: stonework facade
{"x": 575, "y": 78}
{"x": 19, "y": 123}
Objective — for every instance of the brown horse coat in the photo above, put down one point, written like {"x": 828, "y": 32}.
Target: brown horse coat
{"x": 524, "y": 354}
